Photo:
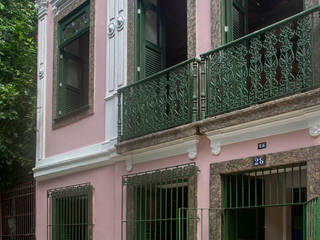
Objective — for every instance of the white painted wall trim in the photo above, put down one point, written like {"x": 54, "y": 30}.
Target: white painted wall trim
{"x": 116, "y": 62}
{"x": 284, "y": 123}
{"x": 104, "y": 154}
{"x": 41, "y": 6}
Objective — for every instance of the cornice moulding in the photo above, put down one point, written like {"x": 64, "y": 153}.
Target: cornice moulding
{"x": 104, "y": 154}
{"x": 41, "y": 6}
{"x": 302, "y": 119}
{"x": 59, "y": 5}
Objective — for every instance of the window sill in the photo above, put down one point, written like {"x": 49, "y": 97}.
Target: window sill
{"x": 71, "y": 117}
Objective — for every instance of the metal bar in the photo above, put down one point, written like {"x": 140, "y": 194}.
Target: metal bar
{"x": 194, "y": 92}
{"x": 300, "y": 184}
{"x": 277, "y": 185}
{"x": 284, "y": 186}
{"x": 230, "y": 191}
{"x": 262, "y": 187}
{"x": 249, "y": 191}
{"x": 237, "y": 202}
{"x": 160, "y": 73}
{"x": 203, "y": 82}
{"x": 255, "y": 189}
{"x": 242, "y": 190}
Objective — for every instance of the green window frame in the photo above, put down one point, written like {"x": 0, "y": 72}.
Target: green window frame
{"x": 73, "y": 61}
{"x": 69, "y": 213}
{"x": 149, "y": 56}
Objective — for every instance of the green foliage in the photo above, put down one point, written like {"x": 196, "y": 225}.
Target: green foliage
{"x": 18, "y": 21}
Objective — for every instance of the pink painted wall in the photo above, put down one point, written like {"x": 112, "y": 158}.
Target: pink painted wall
{"x": 107, "y": 180}
{"x": 203, "y": 26}
{"x": 91, "y": 129}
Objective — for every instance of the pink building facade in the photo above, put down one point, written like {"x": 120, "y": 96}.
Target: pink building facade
{"x": 166, "y": 120}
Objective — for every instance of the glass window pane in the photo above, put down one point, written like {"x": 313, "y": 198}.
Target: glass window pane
{"x": 75, "y": 26}
{"x": 152, "y": 27}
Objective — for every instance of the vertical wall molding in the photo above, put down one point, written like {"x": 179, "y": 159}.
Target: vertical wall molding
{"x": 116, "y": 62}
{"x": 41, "y": 6}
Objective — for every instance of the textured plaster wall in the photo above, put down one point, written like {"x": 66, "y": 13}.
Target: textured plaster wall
{"x": 203, "y": 26}
{"x": 89, "y": 130}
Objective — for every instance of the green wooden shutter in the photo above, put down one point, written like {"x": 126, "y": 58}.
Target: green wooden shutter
{"x": 152, "y": 47}
{"x": 236, "y": 15}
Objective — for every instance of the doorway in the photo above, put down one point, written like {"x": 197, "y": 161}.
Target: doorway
{"x": 266, "y": 204}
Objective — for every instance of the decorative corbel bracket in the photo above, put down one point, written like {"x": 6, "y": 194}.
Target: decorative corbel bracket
{"x": 215, "y": 147}
{"x": 193, "y": 150}
{"x": 129, "y": 165}
{"x": 215, "y": 144}
{"x": 314, "y": 129}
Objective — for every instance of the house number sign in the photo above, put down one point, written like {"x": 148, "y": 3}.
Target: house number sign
{"x": 259, "y": 161}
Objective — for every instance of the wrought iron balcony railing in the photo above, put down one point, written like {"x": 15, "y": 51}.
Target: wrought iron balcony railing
{"x": 162, "y": 101}
{"x": 277, "y": 61}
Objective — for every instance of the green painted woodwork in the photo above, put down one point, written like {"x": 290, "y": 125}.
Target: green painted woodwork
{"x": 271, "y": 63}
{"x": 161, "y": 101}
{"x": 149, "y": 38}
{"x": 153, "y": 200}
{"x": 70, "y": 213}
{"x": 235, "y": 19}
{"x": 73, "y": 48}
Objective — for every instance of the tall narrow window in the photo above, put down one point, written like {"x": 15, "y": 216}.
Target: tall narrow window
{"x": 73, "y": 62}
{"x": 161, "y": 35}
{"x": 70, "y": 213}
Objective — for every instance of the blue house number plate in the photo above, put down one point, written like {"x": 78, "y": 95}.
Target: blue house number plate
{"x": 259, "y": 161}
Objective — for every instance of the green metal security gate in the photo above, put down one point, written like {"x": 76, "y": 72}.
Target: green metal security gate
{"x": 151, "y": 202}
{"x": 17, "y": 213}
{"x": 313, "y": 219}
{"x": 253, "y": 200}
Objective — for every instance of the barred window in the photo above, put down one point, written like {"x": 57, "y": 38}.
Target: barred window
{"x": 70, "y": 213}
{"x": 154, "y": 203}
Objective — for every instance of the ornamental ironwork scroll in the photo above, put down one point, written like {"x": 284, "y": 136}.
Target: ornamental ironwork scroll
{"x": 159, "y": 102}
{"x": 274, "y": 62}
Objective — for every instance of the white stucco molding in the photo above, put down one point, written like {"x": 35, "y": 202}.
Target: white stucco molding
{"x": 215, "y": 146}
{"x": 74, "y": 161}
{"x": 308, "y": 118}
{"x": 129, "y": 165}
{"x": 314, "y": 129}
{"x": 41, "y": 6}
{"x": 59, "y": 5}
{"x": 104, "y": 154}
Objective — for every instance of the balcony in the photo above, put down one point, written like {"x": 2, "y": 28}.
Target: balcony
{"x": 272, "y": 63}
{"x": 162, "y": 101}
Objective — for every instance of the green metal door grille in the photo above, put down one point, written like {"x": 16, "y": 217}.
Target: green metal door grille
{"x": 249, "y": 197}
{"x": 264, "y": 188}
{"x": 151, "y": 202}
{"x": 70, "y": 213}
{"x": 313, "y": 219}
